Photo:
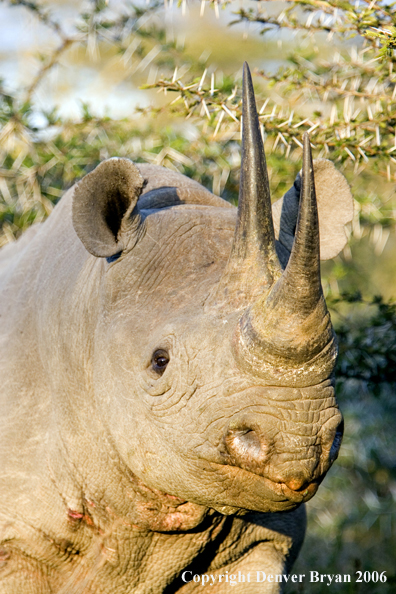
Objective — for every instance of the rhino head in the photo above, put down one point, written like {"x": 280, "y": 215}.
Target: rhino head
{"x": 213, "y": 351}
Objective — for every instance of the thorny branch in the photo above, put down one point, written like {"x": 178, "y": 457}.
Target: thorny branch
{"x": 345, "y": 101}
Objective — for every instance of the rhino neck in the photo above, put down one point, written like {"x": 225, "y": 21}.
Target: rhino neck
{"x": 48, "y": 287}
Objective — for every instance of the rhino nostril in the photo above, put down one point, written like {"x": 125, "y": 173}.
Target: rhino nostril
{"x": 246, "y": 442}
{"x": 336, "y": 442}
{"x": 245, "y": 446}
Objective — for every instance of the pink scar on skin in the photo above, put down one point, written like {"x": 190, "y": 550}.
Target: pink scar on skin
{"x": 74, "y": 515}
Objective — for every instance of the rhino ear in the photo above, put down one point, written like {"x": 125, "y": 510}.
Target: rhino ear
{"x": 103, "y": 205}
{"x": 335, "y": 210}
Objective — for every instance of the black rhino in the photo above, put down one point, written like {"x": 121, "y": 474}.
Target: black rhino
{"x": 167, "y": 391}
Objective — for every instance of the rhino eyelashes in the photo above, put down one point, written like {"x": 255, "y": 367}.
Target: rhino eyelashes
{"x": 159, "y": 361}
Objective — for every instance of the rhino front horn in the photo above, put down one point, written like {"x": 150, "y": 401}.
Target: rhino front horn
{"x": 286, "y": 336}
{"x": 253, "y": 265}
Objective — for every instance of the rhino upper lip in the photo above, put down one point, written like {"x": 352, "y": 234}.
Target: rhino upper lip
{"x": 305, "y": 493}
{"x": 295, "y": 496}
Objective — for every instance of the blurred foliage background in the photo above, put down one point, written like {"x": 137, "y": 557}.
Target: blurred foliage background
{"x": 161, "y": 83}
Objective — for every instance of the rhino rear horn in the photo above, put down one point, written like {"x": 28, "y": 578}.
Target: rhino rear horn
{"x": 103, "y": 205}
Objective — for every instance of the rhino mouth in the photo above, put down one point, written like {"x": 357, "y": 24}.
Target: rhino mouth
{"x": 306, "y": 492}
{"x": 296, "y": 489}
{"x": 246, "y": 491}
{"x": 280, "y": 490}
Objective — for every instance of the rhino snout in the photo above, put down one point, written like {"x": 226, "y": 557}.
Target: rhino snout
{"x": 256, "y": 447}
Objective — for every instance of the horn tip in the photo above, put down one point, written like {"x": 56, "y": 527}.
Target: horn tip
{"x": 247, "y": 75}
{"x": 307, "y": 153}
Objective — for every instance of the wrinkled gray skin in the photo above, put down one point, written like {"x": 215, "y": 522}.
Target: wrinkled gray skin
{"x": 117, "y": 475}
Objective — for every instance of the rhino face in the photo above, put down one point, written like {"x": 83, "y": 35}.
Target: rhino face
{"x": 213, "y": 371}
{"x": 190, "y": 421}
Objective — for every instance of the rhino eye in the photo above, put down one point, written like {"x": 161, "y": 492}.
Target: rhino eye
{"x": 159, "y": 361}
